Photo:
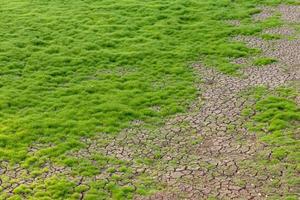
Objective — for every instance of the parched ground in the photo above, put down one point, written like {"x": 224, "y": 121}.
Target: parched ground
{"x": 210, "y": 152}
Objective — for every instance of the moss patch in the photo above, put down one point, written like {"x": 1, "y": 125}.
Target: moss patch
{"x": 276, "y": 119}
{"x": 264, "y": 61}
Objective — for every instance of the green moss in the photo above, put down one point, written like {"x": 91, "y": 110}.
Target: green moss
{"x": 264, "y": 61}
{"x": 271, "y": 36}
{"x": 92, "y": 67}
{"x": 77, "y": 69}
{"x": 21, "y": 189}
{"x": 276, "y": 119}
{"x": 52, "y": 188}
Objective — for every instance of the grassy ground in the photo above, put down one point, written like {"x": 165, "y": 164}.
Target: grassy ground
{"x": 72, "y": 70}
{"x": 80, "y": 68}
{"x": 275, "y": 118}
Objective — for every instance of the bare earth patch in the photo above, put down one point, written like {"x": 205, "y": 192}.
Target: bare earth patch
{"x": 290, "y": 14}
{"x": 265, "y": 13}
{"x": 282, "y": 31}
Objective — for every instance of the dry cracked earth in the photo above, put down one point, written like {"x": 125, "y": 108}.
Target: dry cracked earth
{"x": 200, "y": 154}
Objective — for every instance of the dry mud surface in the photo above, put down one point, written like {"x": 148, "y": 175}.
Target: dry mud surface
{"x": 201, "y": 153}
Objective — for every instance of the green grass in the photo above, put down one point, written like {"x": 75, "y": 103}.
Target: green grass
{"x": 275, "y": 119}
{"x": 75, "y": 69}
{"x": 271, "y": 36}
{"x": 264, "y": 61}
{"x": 81, "y": 68}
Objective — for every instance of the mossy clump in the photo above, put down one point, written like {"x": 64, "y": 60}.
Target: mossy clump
{"x": 276, "y": 119}
{"x": 264, "y": 61}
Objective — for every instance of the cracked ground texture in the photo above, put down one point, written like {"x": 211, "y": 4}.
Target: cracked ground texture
{"x": 197, "y": 155}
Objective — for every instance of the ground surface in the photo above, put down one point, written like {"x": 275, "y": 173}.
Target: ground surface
{"x": 238, "y": 140}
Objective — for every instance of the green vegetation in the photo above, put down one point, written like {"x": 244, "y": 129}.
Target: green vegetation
{"x": 60, "y": 188}
{"x": 73, "y": 70}
{"x": 76, "y": 69}
{"x": 276, "y": 118}
{"x": 271, "y": 36}
{"x": 264, "y": 61}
